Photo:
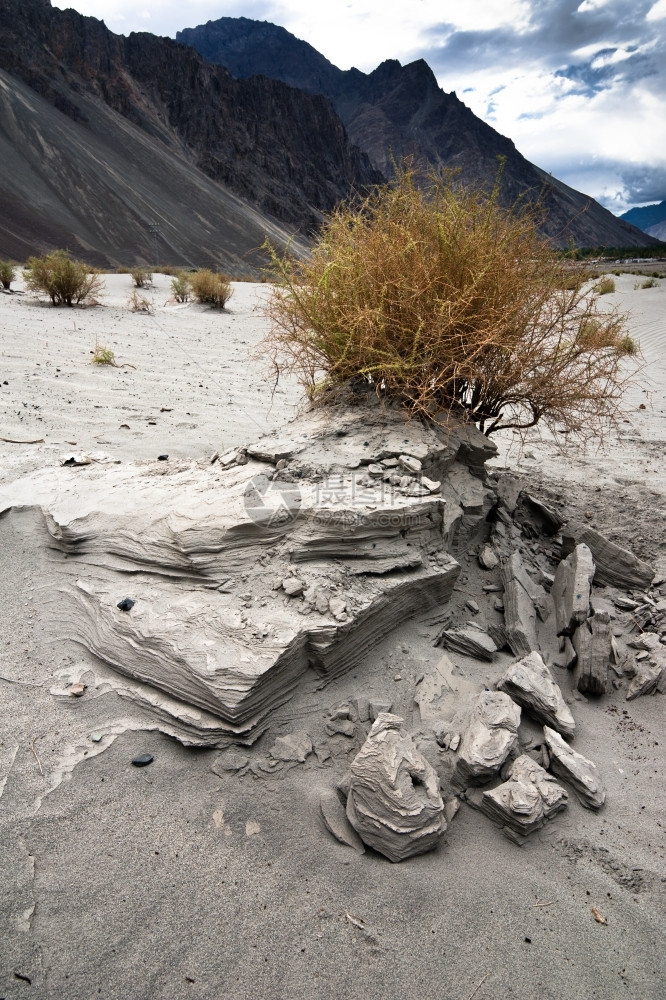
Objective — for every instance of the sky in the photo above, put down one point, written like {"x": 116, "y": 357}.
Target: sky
{"x": 578, "y": 85}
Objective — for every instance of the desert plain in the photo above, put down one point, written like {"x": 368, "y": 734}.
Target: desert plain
{"x": 195, "y": 878}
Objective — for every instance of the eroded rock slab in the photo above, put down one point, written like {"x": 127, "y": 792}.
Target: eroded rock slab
{"x": 614, "y": 565}
{"x": 530, "y": 683}
{"x": 394, "y": 801}
{"x": 524, "y": 802}
{"x": 488, "y": 740}
{"x": 579, "y": 772}
{"x": 523, "y": 599}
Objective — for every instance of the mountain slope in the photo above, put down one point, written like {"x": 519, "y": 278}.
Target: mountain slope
{"x": 102, "y": 134}
{"x": 398, "y": 111}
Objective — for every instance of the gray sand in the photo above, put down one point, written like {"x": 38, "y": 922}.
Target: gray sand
{"x": 172, "y": 881}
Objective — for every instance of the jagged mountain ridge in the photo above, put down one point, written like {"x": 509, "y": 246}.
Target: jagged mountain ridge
{"x": 102, "y": 134}
{"x": 398, "y": 111}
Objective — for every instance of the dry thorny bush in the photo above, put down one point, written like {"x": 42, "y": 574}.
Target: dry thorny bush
{"x": 438, "y": 297}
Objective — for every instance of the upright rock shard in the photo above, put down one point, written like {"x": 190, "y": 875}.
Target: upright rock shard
{"x": 571, "y": 590}
{"x": 488, "y": 740}
{"x": 394, "y": 801}
{"x": 592, "y": 642}
{"x": 530, "y": 683}
{"x": 523, "y": 598}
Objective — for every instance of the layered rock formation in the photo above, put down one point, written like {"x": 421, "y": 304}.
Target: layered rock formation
{"x": 220, "y": 587}
{"x": 394, "y": 802}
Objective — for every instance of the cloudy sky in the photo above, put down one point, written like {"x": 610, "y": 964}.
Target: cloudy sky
{"x": 579, "y": 85}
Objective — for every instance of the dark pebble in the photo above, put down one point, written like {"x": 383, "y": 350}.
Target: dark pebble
{"x": 162, "y": 458}
{"x": 126, "y": 604}
{"x": 143, "y": 760}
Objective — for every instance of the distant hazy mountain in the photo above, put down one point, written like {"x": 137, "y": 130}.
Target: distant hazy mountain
{"x": 101, "y": 135}
{"x": 647, "y": 218}
{"x": 398, "y": 111}
{"x": 658, "y": 231}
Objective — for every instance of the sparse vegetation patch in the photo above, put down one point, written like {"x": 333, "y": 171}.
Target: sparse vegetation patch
{"x": 66, "y": 281}
{"x": 180, "y": 286}
{"x": 442, "y": 300}
{"x": 210, "y": 288}
{"x": 141, "y": 277}
{"x": 7, "y": 274}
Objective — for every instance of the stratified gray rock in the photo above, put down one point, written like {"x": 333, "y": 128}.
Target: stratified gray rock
{"x": 592, "y": 642}
{"x": 523, "y": 598}
{"x": 645, "y": 680}
{"x": 394, "y": 801}
{"x": 336, "y": 822}
{"x": 206, "y": 546}
{"x": 530, "y": 683}
{"x": 576, "y": 770}
{"x": 524, "y": 802}
{"x": 488, "y": 740}
{"x": 469, "y": 641}
{"x": 571, "y": 590}
{"x": 615, "y": 566}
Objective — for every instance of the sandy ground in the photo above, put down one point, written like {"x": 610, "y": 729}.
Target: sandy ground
{"x": 176, "y": 881}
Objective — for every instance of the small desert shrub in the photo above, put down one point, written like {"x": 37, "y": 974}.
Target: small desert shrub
{"x": 139, "y": 303}
{"x": 141, "y": 277}
{"x": 66, "y": 281}
{"x": 437, "y": 298}
{"x": 180, "y": 286}
{"x": 604, "y": 286}
{"x": 211, "y": 289}
{"x": 7, "y": 274}
{"x": 103, "y": 356}
{"x": 648, "y": 283}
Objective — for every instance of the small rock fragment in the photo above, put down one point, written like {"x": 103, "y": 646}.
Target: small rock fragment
{"x": 77, "y": 689}
{"x": 394, "y": 800}
{"x": 524, "y": 802}
{"x": 431, "y": 485}
{"x": 343, "y": 727}
{"x": 294, "y": 746}
{"x": 410, "y": 464}
{"x": 645, "y": 680}
{"x": 487, "y": 558}
{"x": 336, "y": 822}
{"x": 337, "y": 606}
{"x": 143, "y": 759}
{"x": 530, "y": 683}
{"x": 126, "y": 604}
{"x": 229, "y": 762}
{"x": 77, "y": 458}
{"x": 293, "y": 587}
{"x": 469, "y": 642}
{"x": 578, "y": 771}
{"x": 489, "y": 738}
{"x": 377, "y": 707}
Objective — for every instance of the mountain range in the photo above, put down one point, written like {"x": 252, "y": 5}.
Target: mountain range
{"x": 243, "y": 132}
{"x": 651, "y": 219}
